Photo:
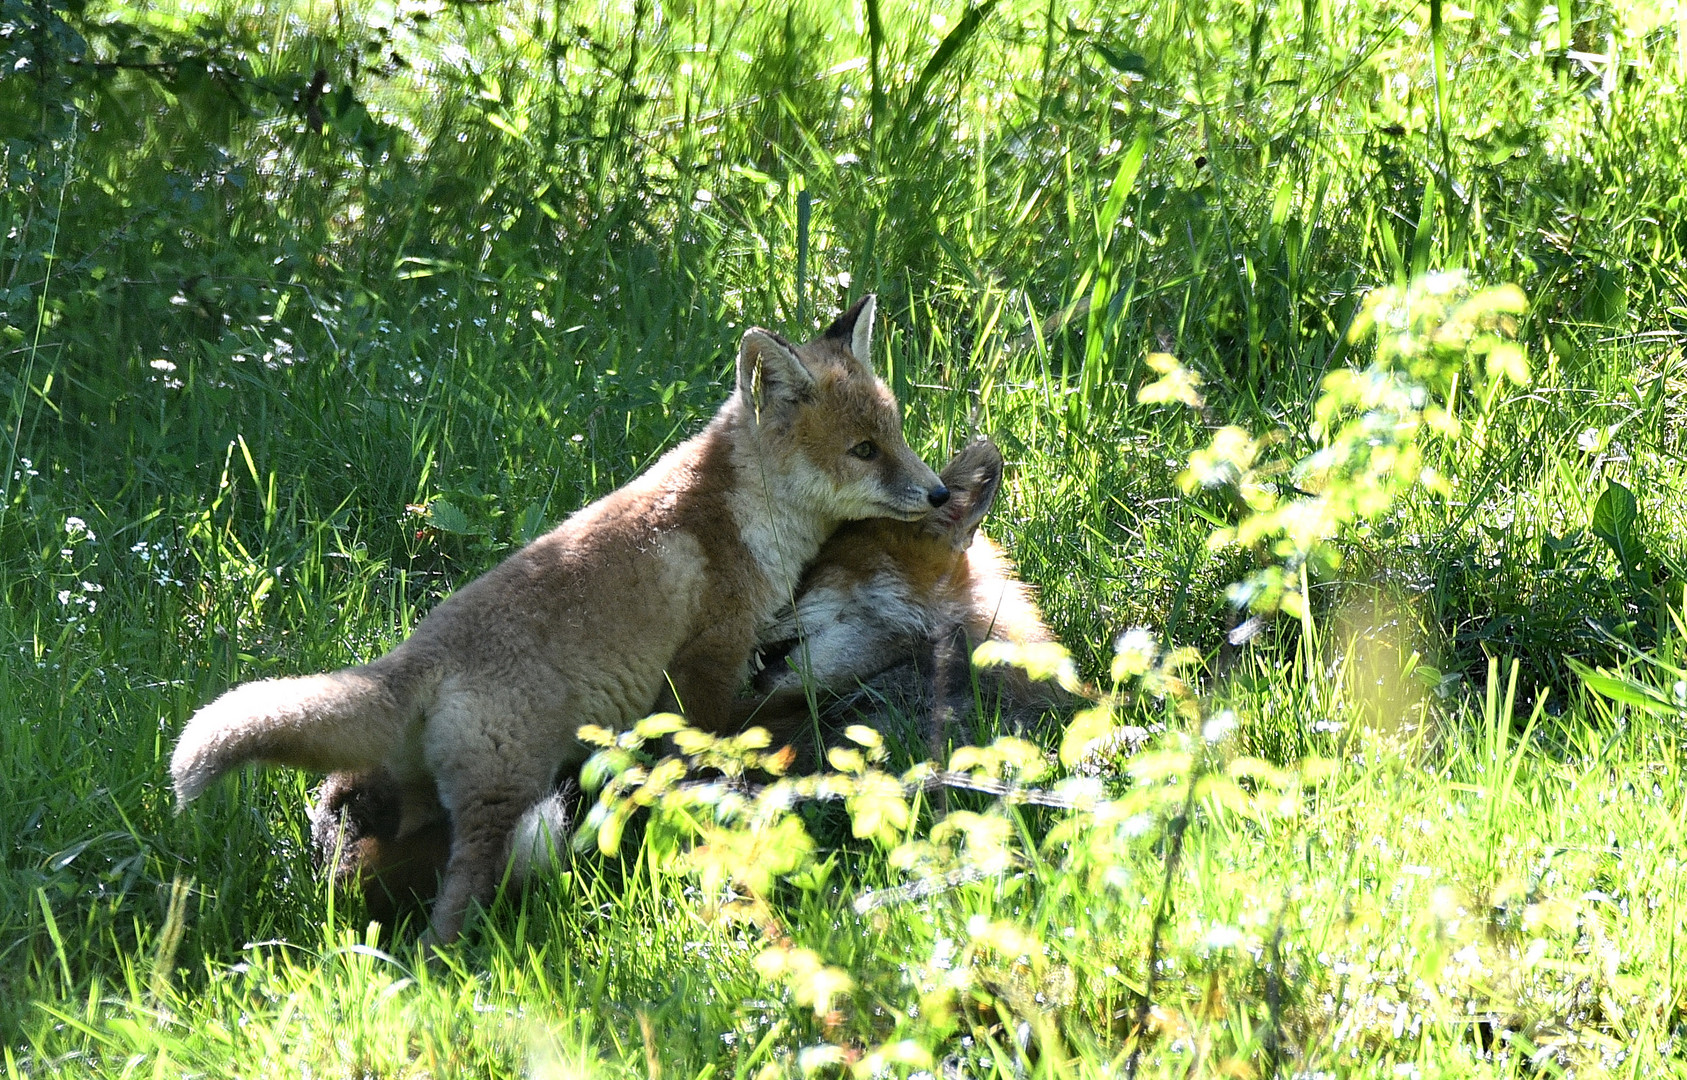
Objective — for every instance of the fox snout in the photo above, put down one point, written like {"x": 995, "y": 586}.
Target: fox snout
{"x": 971, "y": 481}
{"x": 915, "y": 487}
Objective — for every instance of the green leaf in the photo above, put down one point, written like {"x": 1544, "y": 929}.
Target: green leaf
{"x": 657, "y": 725}
{"x": 952, "y": 44}
{"x": 1123, "y": 181}
{"x": 1125, "y": 63}
{"x": 445, "y": 517}
{"x": 846, "y": 760}
{"x": 603, "y": 766}
{"x": 1615, "y": 517}
{"x": 532, "y": 524}
{"x": 862, "y": 735}
{"x": 1624, "y": 690}
{"x": 609, "y": 832}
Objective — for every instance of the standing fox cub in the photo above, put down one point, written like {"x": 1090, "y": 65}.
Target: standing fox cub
{"x": 657, "y": 589}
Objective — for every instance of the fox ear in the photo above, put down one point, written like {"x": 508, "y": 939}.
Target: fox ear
{"x": 855, "y": 328}
{"x": 770, "y": 373}
{"x": 973, "y": 478}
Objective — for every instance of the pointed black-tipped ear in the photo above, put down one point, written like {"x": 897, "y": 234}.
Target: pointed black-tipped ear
{"x": 855, "y": 329}
{"x": 771, "y": 376}
{"x": 973, "y": 477}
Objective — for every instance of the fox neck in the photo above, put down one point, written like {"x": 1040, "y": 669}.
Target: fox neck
{"x": 778, "y": 504}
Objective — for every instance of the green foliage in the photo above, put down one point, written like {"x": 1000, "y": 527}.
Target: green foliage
{"x": 1366, "y": 425}
{"x": 308, "y": 313}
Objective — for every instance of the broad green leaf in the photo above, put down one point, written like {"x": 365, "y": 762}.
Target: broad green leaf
{"x": 1625, "y": 690}
{"x": 445, "y": 516}
{"x": 1615, "y": 519}
{"x": 532, "y": 524}
{"x": 1123, "y": 181}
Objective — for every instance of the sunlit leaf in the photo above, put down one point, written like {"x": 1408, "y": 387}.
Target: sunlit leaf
{"x": 1176, "y": 383}
{"x": 1625, "y": 690}
{"x": 846, "y": 759}
{"x": 1083, "y": 732}
{"x": 1615, "y": 519}
{"x": 657, "y": 725}
{"x": 1040, "y": 661}
{"x": 445, "y": 516}
{"x": 862, "y": 735}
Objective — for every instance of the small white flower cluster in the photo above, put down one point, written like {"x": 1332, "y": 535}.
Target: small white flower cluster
{"x": 157, "y": 559}
{"x": 166, "y": 376}
{"x": 72, "y": 598}
{"x": 76, "y": 531}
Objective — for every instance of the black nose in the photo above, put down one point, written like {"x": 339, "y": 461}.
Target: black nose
{"x": 938, "y": 497}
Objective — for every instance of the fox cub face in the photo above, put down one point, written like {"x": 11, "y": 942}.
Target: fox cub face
{"x": 821, "y": 410}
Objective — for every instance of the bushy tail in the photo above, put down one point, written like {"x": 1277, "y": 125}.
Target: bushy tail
{"x": 347, "y": 719}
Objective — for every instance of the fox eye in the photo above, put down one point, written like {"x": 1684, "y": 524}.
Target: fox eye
{"x": 865, "y": 450}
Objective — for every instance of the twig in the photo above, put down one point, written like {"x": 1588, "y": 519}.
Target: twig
{"x": 1088, "y": 795}
{"x": 919, "y": 890}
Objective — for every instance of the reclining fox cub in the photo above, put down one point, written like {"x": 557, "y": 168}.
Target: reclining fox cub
{"x": 658, "y": 588}
{"x": 890, "y": 611}
{"x": 876, "y": 616}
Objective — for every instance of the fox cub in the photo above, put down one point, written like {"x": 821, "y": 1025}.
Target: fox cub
{"x": 884, "y": 606}
{"x": 652, "y": 596}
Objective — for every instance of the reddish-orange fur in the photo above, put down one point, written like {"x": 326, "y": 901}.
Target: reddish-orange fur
{"x": 893, "y": 609}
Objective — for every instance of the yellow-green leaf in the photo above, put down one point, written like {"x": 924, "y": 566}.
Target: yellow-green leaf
{"x": 1086, "y": 729}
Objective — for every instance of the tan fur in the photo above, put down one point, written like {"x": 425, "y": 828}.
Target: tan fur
{"x": 651, "y": 594}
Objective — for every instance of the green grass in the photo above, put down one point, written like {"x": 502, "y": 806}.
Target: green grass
{"x": 512, "y": 268}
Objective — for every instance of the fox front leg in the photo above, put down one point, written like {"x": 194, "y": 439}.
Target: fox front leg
{"x": 706, "y": 674}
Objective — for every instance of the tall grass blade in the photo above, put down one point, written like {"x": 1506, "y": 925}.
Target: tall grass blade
{"x": 875, "y": 62}
{"x": 805, "y": 207}
{"x": 952, "y": 43}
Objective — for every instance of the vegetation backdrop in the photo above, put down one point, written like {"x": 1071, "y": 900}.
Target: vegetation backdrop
{"x": 310, "y": 312}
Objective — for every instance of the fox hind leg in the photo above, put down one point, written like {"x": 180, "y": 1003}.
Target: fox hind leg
{"x": 488, "y": 777}
{"x": 480, "y": 840}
